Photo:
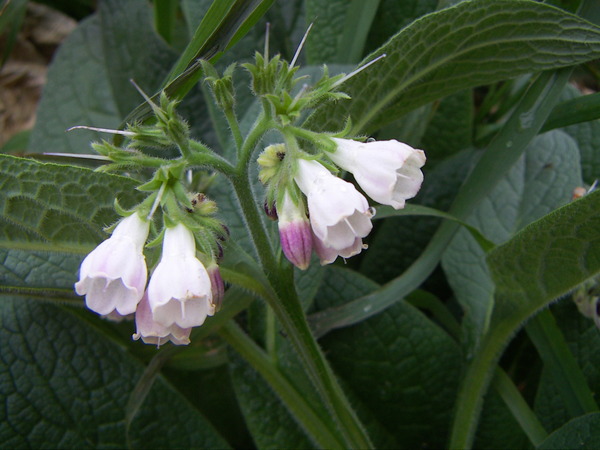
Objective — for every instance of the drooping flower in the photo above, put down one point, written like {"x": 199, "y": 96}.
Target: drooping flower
{"x": 388, "y": 171}
{"x": 152, "y": 332}
{"x": 113, "y": 276}
{"x": 180, "y": 291}
{"x": 294, "y": 232}
{"x": 339, "y": 215}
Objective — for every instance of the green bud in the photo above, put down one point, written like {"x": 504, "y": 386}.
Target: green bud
{"x": 270, "y": 161}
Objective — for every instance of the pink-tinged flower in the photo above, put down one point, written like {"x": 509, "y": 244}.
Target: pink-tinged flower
{"x": 328, "y": 255}
{"x": 339, "y": 215}
{"x": 217, "y": 285}
{"x": 113, "y": 276}
{"x": 153, "y": 332}
{"x": 294, "y": 233}
{"x": 388, "y": 171}
{"x": 180, "y": 291}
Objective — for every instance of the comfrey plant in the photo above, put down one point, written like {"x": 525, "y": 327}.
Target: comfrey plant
{"x": 300, "y": 183}
{"x": 304, "y": 274}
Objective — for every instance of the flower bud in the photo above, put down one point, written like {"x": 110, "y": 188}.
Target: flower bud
{"x": 217, "y": 285}
{"x": 294, "y": 233}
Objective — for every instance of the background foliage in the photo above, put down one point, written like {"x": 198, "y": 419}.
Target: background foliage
{"x": 424, "y": 330}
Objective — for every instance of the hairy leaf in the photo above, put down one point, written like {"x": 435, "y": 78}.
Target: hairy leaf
{"x": 470, "y": 44}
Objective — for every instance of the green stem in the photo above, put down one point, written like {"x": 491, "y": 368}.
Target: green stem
{"x": 235, "y": 130}
{"x": 294, "y": 401}
{"x": 202, "y": 156}
{"x": 289, "y": 311}
{"x": 558, "y": 358}
{"x": 519, "y": 408}
{"x": 261, "y": 126}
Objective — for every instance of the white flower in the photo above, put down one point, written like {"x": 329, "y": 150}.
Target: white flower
{"x": 152, "y": 332}
{"x": 179, "y": 291}
{"x": 339, "y": 215}
{"x": 113, "y": 276}
{"x": 294, "y": 232}
{"x": 388, "y": 171}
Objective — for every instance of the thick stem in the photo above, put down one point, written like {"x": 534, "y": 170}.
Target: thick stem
{"x": 289, "y": 311}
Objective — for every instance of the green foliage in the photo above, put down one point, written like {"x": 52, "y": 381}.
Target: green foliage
{"x": 457, "y": 48}
{"x": 65, "y": 383}
{"x": 408, "y": 347}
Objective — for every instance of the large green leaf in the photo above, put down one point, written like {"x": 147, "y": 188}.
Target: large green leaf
{"x": 404, "y": 368}
{"x": 542, "y": 262}
{"x": 49, "y": 207}
{"x": 451, "y": 128}
{"x": 392, "y": 16}
{"x": 580, "y": 433}
{"x": 269, "y": 422}
{"x": 540, "y": 182}
{"x": 470, "y": 44}
{"x": 64, "y": 385}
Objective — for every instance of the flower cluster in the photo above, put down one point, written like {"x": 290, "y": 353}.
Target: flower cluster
{"x": 340, "y": 217}
{"x": 181, "y": 292}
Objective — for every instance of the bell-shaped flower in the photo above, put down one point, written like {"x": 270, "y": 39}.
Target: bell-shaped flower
{"x": 180, "y": 291}
{"x": 388, "y": 171}
{"x": 294, "y": 232}
{"x": 339, "y": 215}
{"x": 152, "y": 332}
{"x": 113, "y": 276}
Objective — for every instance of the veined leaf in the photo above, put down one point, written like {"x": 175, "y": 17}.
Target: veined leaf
{"x": 472, "y": 43}
{"x": 49, "y": 207}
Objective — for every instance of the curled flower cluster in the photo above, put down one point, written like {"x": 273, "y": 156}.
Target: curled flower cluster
{"x": 181, "y": 292}
{"x": 340, "y": 217}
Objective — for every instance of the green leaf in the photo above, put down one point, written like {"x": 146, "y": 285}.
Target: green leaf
{"x": 561, "y": 250}
{"x": 270, "y": 424}
{"x": 587, "y": 135}
{"x": 399, "y": 364}
{"x": 48, "y": 207}
{"x": 224, "y": 24}
{"x": 542, "y": 262}
{"x": 451, "y": 127}
{"x": 580, "y": 433}
{"x": 12, "y": 15}
{"x": 392, "y": 16}
{"x": 329, "y": 18}
{"x": 540, "y": 182}
{"x": 64, "y": 385}
{"x": 582, "y": 108}
{"x": 88, "y": 81}
{"x": 470, "y": 44}
{"x": 357, "y": 23}
{"x": 583, "y": 340}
